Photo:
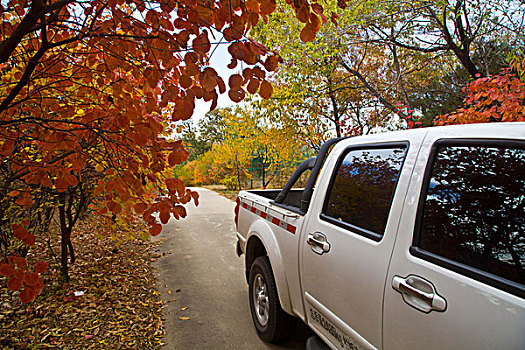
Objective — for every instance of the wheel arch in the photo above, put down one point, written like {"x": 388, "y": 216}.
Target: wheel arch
{"x": 260, "y": 242}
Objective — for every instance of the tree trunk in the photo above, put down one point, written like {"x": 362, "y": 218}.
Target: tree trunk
{"x": 238, "y": 172}
{"x": 65, "y": 237}
{"x": 335, "y": 107}
{"x": 264, "y": 168}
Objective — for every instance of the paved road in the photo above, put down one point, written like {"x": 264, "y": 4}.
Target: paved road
{"x": 203, "y": 279}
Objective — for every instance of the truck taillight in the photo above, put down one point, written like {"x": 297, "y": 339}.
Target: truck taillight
{"x": 237, "y": 206}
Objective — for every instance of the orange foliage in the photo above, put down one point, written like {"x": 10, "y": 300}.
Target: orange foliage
{"x": 16, "y": 269}
{"x": 492, "y": 99}
{"x": 91, "y": 90}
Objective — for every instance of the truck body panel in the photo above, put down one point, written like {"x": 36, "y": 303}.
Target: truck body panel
{"x": 408, "y": 240}
{"x": 477, "y": 315}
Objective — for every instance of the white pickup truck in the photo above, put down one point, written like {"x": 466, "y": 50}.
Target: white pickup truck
{"x": 402, "y": 240}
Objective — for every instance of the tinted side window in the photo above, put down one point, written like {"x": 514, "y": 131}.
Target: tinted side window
{"x": 474, "y": 210}
{"x": 362, "y": 190}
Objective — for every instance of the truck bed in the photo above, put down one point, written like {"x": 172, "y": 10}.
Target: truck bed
{"x": 293, "y": 199}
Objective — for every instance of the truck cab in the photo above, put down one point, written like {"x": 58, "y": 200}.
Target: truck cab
{"x": 401, "y": 240}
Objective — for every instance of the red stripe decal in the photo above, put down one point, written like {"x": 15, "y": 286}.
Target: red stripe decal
{"x": 290, "y": 228}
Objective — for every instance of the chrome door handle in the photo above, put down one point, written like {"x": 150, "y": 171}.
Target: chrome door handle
{"x": 419, "y": 293}
{"x": 318, "y": 242}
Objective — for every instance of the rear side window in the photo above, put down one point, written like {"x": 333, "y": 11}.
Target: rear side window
{"x": 361, "y": 192}
{"x": 473, "y": 215}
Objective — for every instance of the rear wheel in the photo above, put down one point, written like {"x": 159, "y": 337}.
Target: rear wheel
{"x": 272, "y": 323}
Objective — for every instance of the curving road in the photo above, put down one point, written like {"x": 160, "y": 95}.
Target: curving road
{"x": 203, "y": 279}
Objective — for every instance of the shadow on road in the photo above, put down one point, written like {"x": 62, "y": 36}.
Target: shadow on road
{"x": 297, "y": 339}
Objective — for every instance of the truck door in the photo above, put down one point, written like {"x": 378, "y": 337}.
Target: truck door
{"x": 348, "y": 240}
{"x": 457, "y": 276}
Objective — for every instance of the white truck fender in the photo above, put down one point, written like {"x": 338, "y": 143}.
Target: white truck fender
{"x": 264, "y": 233}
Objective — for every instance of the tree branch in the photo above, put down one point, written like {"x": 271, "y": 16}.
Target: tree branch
{"x": 8, "y": 46}
{"x": 373, "y": 90}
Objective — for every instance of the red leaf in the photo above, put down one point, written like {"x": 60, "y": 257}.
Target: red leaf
{"x": 19, "y": 231}
{"x": 202, "y": 43}
{"x": 252, "y": 5}
{"x": 155, "y": 229}
{"x": 235, "y": 81}
{"x": 114, "y": 207}
{"x": 13, "y": 193}
{"x": 185, "y": 81}
{"x": 29, "y": 240}
{"x": 19, "y": 274}
{"x": 20, "y": 262}
{"x": 40, "y": 266}
{"x": 61, "y": 184}
{"x": 253, "y": 86}
{"x": 71, "y": 180}
{"x": 267, "y": 7}
{"x": 258, "y": 48}
{"x": 27, "y": 295}
{"x": 222, "y": 86}
{"x": 317, "y": 8}
{"x": 232, "y": 64}
{"x": 177, "y": 156}
{"x": 14, "y": 284}
{"x": 179, "y": 210}
{"x": 308, "y": 32}
{"x": 195, "y": 196}
{"x": 271, "y": 63}
{"x": 236, "y": 95}
{"x": 266, "y": 89}
{"x": 31, "y": 279}
{"x": 183, "y": 110}
{"x": 38, "y": 288}
{"x": 140, "y": 208}
{"x": 174, "y": 184}
{"x": 164, "y": 216}
{"x": 209, "y": 79}
{"x": 7, "y": 270}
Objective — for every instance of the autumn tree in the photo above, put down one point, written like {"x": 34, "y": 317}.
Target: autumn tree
{"x": 210, "y": 130}
{"x": 475, "y": 32}
{"x": 498, "y": 98}
{"x": 96, "y": 87}
{"x": 247, "y": 143}
{"x": 386, "y": 59}
{"x": 277, "y": 148}
{"x": 347, "y": 83}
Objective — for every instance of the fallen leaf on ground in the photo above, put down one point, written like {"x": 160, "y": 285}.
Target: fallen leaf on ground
{"x": 114, "y": 315}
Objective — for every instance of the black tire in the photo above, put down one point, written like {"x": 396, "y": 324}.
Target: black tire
{"x": 271, "y": 322}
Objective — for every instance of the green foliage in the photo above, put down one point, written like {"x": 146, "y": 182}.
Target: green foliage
{"x": 210, "y": 130}
{"x": 375, "y": 61}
